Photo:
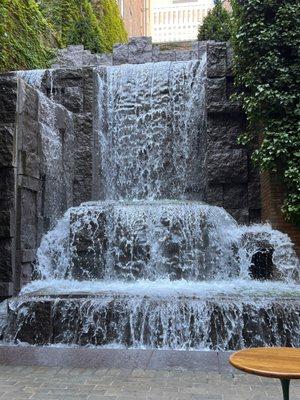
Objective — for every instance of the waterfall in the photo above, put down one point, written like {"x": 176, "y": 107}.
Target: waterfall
{"x": 153, "y": 145}
{"x": 149, "y": 264}
{"x": 159, "y": 240}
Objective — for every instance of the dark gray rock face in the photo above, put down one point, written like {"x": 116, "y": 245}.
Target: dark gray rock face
{"x": 232, "y": 182}
{"x": 36, "y": 175}
{"x": 171, "y": 322}
{"x": 8, "y": 105}
{"x": 138, "y": 50}
{"x": 33, "y": 193}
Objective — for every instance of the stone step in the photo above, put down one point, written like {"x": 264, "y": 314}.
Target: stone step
{"x": 152, "y": 321}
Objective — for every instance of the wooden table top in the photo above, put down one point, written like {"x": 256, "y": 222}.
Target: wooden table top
{"x": 272, "y": 362}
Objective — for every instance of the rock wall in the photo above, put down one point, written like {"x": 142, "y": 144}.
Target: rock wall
{"x": 36, "y": 176}
{"x": 8, "y": 104}
{"x": 138, "y": 50}
{"x": 26, "y": 182}
{"x": 73, "y": 88}
{"x": 232, "y": 180}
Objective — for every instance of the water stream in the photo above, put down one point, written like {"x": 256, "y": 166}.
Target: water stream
{"x": 149, "y": 264}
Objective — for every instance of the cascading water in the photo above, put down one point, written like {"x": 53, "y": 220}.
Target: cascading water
{"x": 150, "y": 264}
{"x": 152, "y": 130}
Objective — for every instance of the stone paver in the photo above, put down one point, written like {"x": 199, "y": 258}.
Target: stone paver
{"x": 54, "y": 383}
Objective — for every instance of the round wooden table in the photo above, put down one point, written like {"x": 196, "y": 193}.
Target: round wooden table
{"x": 272, "y": 362}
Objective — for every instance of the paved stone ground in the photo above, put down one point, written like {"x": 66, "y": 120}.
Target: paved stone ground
{"x": 52, "y": 383}
{"x": 53, "y": 374}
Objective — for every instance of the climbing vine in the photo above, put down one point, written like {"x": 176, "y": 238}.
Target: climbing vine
{"x": 26, "y": 39}
{"x": 95, "y": 24}
{"x": 31, "y": 30}
{"x": 111, "y": 23}
{"x": 266, "y": 41}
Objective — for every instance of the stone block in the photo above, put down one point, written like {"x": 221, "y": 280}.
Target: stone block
{"x": 63, "y": 81}
{"x": 235, "y": 196}
{"x": 8, "y": 98}
{"x": 29, "y": 182}
{"x": 26, "y": 273}
{"x": 215, "y": 91}
{"x": 227, "y": 167}
{"x": 227, "y": 107}
{"x": 28, "y": 219}
{"x": 216, "y": 59}
{"x": 120, "y": 54}
{"x": 88, "y": 90}
{"x": 146, "y": 321}
{"x": 167, "y": 55}
{"x": 223, "y": 133}
{"x": 6, "y": 259}
{"x": 241, "y": 215}
{"x": 28, "y": 132}
{"x": 183, "y": 55}
{"x": 73, "y": 98}
{"x": 140, "y": 50}
{"x": 71, "y": 59}
{"x": 7, "y": 188}
{"x": 30, "y": 103}
{"x": 7, "y": 229}
{"x": 155, "y": 53}
{"x": 28, "y": 255}
{"x": 101, "y": 59}
{"x": 64, "y": 77}
{"x": 214, "y": 195}
{"x": 28, "y": 206}
{"x": 28, "y": 236}
{"x": 30, "y": 164}
{"x": 6, "y": 290}
{"x": 6, "y": 144}
{"x": 83, "y": 158}
{"x": 33, "y": 319}
{"x": 198, "y": 49}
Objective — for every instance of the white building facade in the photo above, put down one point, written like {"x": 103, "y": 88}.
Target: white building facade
{"x": 177, "y": 20}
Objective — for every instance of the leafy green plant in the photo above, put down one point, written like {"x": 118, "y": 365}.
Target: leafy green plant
{"x": 216, "y": 25}
{"x": 26, "y": 39}
{"x": 31, "y": 30}
{"x": 111, "y": 23}
{"x": 266, "y": 42}
{"x": 95, "y": 24}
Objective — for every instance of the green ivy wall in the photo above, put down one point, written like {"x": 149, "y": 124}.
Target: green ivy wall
{"x": 31, "y": 30}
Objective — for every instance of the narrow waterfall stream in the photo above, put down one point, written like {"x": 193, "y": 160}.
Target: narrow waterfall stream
{"x": 150, "y": 264}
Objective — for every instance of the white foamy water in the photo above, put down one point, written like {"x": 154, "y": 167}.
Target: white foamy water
{"x": 159, "y": 239}
{"x": 33, "y": 77}
{"x": 244, "y": 288}
{"x": 152, "y": 130}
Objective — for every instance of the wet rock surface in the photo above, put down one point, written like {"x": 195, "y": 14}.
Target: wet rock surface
{"x": 135, "y": 321}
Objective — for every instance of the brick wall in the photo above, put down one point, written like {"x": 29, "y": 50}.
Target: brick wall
{"x": 134, "y": 17}
{"x": 272, "y": 192}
